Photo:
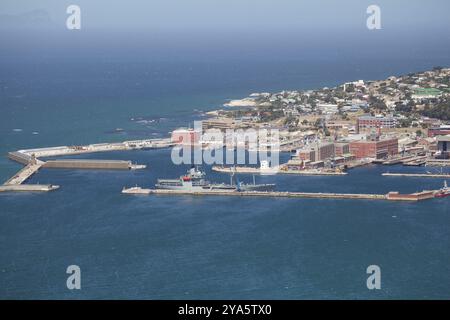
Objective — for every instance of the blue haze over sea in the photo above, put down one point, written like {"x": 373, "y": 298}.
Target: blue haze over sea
{"x": 68, "y": 88}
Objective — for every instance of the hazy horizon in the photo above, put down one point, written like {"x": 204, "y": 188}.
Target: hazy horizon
{"x": 206, "y": 17}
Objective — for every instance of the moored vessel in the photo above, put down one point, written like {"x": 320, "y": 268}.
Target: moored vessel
{"x": 194, "y": 181}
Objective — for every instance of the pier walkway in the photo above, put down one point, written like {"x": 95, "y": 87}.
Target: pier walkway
{"x": 29, "y": 158}
{"x": 419, "y": 175}
{"x": 28, "y": 187}
{"x": 25, "y": 173}
{"x": 279, "y": 194}
{"x": 255, "y": 170}
{"x": 391, "y": 196}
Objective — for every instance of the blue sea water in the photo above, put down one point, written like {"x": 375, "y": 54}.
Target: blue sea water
{"x": 159, "y": 247}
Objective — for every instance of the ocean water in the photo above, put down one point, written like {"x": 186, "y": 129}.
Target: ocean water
{"x": 162, "y": 247}
{"x": 159, "y": 247}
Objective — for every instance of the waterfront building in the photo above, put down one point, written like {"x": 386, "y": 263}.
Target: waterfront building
{"x": 439, "y": 131}
{"x": 341, "y": 148}
{"x": 317, "y": 152}
{"x": 367, "y": 122}
{"x": 443, "y": 145}
{"x": 325, "y": 151}
{"x": 306, "y": 154}
{"x": 376, "y": 149}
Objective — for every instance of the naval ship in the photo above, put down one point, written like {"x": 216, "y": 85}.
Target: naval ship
{"x": 194, "y": 180}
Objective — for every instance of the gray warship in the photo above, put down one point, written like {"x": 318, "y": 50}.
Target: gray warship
{"x": 194, "y": 181}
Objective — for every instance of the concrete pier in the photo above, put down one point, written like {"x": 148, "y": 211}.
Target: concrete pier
{"x": 392, "y": 196}
{"x": 20, "y": 157}
{"x": 89, "y": 164}
{"x": 438, "y": 162}
{"x": 29, "y": 158}
{"x": 279, "y": 194}
{"x": 254, "y": 170}
{"x": 398, "y": 160}
{"x": 24, "y": 174}
{"x": 419, "y": 175}
{"x": 28, "y": 187}
{"x": 415, "y": 161}
{"x": 98, "y": 147}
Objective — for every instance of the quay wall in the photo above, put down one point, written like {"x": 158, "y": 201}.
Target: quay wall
{"x": 421, "y": 175}
{"x": 395, "y": 196}
{"x": 438, "y": 162}
{"x": 424, "y": 195}
{"x": 28, "y": 187}
{"x": 268, "y": 194}
{"x": 20, "y": 157}
{"x": 88, "y": 164}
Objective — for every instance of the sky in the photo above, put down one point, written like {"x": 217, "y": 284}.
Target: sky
{"x": 223, "y": 29}
{"x": 238, "y": 16}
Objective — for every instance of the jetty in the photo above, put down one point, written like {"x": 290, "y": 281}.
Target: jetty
{"x": 395, "y": 196}
{"x": 415, "y": 161}
{"x": 30, "y": 158}
{"x": 92, "y": 164}
{"x": 16, "y": 182}
{"x": 25, "y": 173}
{"x": 398, "y": 160}
{"x": 279, "y": 170}
{"x": 28, "y": 187}
{"x": 438, "y": 162}
{"x": 418, "y": 175}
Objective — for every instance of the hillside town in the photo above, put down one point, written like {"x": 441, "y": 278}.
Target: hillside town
{"x": 402, "y": 119}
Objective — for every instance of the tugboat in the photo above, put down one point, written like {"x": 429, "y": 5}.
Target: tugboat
{"x": 443, "y": 192}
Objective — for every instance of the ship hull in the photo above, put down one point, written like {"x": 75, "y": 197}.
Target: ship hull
{"x": 442, "y": 195}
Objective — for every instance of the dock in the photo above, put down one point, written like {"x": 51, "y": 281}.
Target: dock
{"x": 28, "y": 187}
{"x": 24, "y": 174}
{"x": 30, "y": 158}
{"x": 16, "y": 182}
{"x": 391, "y": 196}
{"x": 251, "y": 170}
{"x": 418, "y": 175}
{"x": 92, "y": 148}
{"x": 92, "y": 164}
{"x": 415, "y": 161}
{"x": 278, "y": 194}
{"x": 313, "y": 173}
{"x": 438, "y": 162}
{"x": 397, "y": 160}
{"x": 254, "y": 170}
